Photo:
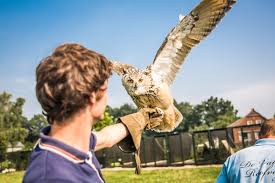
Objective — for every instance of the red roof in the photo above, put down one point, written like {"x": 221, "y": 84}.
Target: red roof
{"x": 254, "y": 113}
{"x": 249, "y": 116}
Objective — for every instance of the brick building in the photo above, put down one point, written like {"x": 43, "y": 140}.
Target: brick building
{"x": 247, "y": 127}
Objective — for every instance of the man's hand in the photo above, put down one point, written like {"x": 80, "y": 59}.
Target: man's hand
{"x": 135, "y": 123}
{"x": 111, "y": 135}
{"x": 131, "y": 125}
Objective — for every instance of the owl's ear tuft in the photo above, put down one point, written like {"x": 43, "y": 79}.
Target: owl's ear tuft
{"x": 120, "y": 69}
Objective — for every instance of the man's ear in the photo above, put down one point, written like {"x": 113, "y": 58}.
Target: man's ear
{"x": 92, "y": 98}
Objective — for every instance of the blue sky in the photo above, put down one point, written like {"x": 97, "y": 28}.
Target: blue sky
{"x": 236, "y": 61}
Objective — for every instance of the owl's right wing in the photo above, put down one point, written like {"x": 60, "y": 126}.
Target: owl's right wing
{"x": 188, "y": 33}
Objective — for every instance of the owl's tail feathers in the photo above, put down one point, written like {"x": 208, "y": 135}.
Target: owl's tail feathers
{"x": 178, "y": 117}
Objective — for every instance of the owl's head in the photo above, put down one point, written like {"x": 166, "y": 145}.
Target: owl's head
{"x": 135, "y": 81}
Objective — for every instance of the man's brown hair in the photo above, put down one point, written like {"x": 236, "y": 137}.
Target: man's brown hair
{"x": 267, "y": 128}
{"x": 66, "y": 79}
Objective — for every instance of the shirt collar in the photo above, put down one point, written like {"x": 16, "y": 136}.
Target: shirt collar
{"x": 265, "y": 141}
{"x": 63, "y": 148}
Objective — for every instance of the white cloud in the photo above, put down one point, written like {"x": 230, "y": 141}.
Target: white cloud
{"x": 260, "y": 96}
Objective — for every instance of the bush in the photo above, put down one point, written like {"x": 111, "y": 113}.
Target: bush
{"x": 5, "y": 165}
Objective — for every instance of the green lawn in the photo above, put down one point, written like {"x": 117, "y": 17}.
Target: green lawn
{"x": 205, "y": 174}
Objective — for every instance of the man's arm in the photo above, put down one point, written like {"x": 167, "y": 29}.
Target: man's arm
{"x": 110, "y": 135}
{"x": 135, "y": 123}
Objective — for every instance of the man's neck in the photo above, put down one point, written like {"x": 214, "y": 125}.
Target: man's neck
{"x": 75, "y": 131}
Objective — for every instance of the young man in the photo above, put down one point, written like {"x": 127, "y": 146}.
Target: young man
{"x": 255, "y": 163}
{"x": 71, "y": 87}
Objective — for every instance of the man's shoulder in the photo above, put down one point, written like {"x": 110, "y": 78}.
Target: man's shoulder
{"x": 36, "y": 170}
{"x": 44, "y": 163}
{"x": 250, "y": 164}
{"x": 255, "y": 149}
{"x": 246, "y": 150}
{"x": 45, "y": 157}
{"x": 251, "y": 153}
{"x": 242, "y": 152}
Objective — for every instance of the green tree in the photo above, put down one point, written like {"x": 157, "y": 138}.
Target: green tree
{"x": 112, "y": 114}
{"x": 11, "y": 121}
{"x": 199, "y": 128}
{"x": 214, "y": 113}
{"x": 34, "y": 125}
{"x": 3, "y": 145}
{"x": 108, "y": 120}
{"x": 224, "y": 120}
{"x": 186, "y": 110}
{"x": 123, "y": 110}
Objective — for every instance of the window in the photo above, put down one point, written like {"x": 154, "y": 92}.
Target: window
{"x": 240, "y": 136}
{"x": 245, "y": 135}
{"x": 249, "y": 122}
{"x": 249, "y": 136}
{"x": 256, "y": 135}
{"x": 259, "y": 121}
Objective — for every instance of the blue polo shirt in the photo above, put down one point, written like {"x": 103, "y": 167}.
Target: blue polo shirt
{"x": 53, "y": 161}
{"x": 252, "y": 164}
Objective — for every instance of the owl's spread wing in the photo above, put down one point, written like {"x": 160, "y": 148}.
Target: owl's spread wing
{"x": 188, "y": 32}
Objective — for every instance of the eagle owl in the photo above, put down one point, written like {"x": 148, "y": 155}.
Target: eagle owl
{"x": 150, "y": 87}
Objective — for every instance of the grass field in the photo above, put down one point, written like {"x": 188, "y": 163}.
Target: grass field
{"x": 202, "y": 174}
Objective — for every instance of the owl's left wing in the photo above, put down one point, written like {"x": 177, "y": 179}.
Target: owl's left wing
{"x": 189, "y": 32}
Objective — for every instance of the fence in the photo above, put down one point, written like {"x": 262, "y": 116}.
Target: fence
{"x": 181, "y": 148}
{"x": 166, "y": 149}
{"x": 214, "y": 146}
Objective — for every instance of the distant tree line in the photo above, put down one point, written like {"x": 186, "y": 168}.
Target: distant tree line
{"x": 212, "y": 113}
{"x": 15, "y": 127}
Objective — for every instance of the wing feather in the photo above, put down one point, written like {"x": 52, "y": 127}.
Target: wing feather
{"x": 189, "y": 32}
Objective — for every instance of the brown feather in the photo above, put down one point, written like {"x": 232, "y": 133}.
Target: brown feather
{"x": 190, "y": 31}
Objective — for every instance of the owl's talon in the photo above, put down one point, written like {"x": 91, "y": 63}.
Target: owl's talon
{"x": 159, "y": 112}
{"x": 156, "y": 117}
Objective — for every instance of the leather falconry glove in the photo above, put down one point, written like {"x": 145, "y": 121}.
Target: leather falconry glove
{"x": 136, "y": 122}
